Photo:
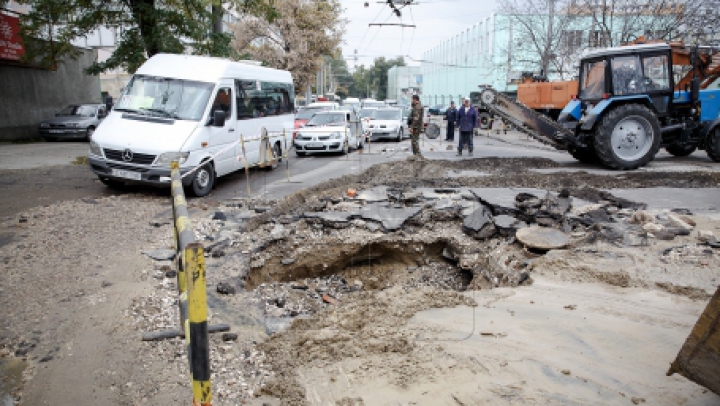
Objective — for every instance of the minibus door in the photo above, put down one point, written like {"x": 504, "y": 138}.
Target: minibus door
{"x": 222, "y": 136}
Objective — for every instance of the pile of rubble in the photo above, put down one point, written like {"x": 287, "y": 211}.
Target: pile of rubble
{"x": 361, "y": 242}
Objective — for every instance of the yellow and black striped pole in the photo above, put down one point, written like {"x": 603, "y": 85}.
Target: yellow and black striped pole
{"x": 196, "y": 326}
{"x": 193, "y": 295}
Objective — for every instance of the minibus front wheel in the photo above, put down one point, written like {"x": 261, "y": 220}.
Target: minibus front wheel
{"x": 203, "y": 180}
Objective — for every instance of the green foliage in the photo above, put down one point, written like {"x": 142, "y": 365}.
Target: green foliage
{"x": 145, "y": 27}
{"x": 373, "y": 80}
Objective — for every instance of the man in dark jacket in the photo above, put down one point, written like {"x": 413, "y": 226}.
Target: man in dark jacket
{"x": 467, "y": 120}
{"x": 450, "y": 117}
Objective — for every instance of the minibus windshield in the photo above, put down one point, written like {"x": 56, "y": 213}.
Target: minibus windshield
{"x": 165, "y": 97}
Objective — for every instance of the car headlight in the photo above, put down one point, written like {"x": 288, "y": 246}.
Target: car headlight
{"x": 165, "y": 158}
{"x": 336, "y": 136}
{"x": 95, "y": 149}
{"x": 44, "y": 125}
{"x": 73, "y": 124}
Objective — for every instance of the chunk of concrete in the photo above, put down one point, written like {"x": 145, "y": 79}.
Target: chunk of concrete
{"x": 676, "y": 221}
{"x": 392, "y": 218}
{"x": 160, "y": 255}
{"x": 542, "y": 238}
{"x": 331, "y": 217}
{"x": 502, "y": 200}
{"x": 479, "y": 224}
{"x": 507, "y": 226}
{"x": 374, "y": 195}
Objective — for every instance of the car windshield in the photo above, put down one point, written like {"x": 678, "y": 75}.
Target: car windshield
{"x": 326, "y": 119}
{"x": 592, "y": 80}
{"x": 165, "y": 97}
{"x": 78, "y": 111}
{"x": 366, "y": 113}
{"x": 387, "y": 115}
{"x": 305, "y": 114}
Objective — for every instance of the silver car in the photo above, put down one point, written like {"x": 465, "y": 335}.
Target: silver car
{"x": 329, "y": 131}
{"x": 388, "y": 124}
{"x": 74, "y": 121}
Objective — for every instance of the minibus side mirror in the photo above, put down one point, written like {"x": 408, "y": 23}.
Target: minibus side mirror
{"x": 218, "y": 118}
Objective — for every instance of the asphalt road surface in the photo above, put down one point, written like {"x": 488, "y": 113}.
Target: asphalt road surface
{"x": 43, "y": 173}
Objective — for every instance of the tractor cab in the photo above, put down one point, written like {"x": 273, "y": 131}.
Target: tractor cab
{"x": 634, "y": 99}
{"x": 628, "y": 72}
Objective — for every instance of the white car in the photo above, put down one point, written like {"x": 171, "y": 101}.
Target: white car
{"x": 365, "y": 116}
{"x": 388, "y": 124}
{"x": 330, "y": 131}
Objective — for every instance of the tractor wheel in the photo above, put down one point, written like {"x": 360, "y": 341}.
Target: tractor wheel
{"x": 680, "y": 149}
{"x": 484, "y": 119}
{"x": 713, "y": 145}
{"x": 628, "y": 137}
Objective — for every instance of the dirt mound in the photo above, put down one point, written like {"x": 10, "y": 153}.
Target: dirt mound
{"x": 366, "y": 325}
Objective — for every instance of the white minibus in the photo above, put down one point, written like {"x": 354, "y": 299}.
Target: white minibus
{"x": 193, "y": 109}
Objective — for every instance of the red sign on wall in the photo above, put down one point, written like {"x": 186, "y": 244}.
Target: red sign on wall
{"x": 11, "y": 47}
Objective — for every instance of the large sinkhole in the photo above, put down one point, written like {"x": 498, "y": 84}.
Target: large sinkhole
{"x": 376, "y": 265}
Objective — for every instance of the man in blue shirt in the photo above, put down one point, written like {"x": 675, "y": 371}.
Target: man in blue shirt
{"x": 467, "y": 120}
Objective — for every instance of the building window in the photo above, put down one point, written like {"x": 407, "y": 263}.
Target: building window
{"x": 572, "y": 39}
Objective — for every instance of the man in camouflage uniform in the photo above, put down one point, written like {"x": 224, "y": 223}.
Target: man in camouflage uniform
{"x": 416, "y": 125}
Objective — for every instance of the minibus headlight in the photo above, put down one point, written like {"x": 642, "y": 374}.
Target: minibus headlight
{"x": 164, "y": 159}
{"x": 95, "y": 149}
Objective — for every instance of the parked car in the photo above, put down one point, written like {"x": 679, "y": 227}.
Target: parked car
{"x": 438, "y": 110}
{"x": 327, "y": 105}
{"x": 352, "y": 102}
{"x": 303, "y": 115}
{"x": 365, "y": 116}
{"x": 330, "y": 131}
{"x": 74, "y": 121}
{"x": 389, "y": 124}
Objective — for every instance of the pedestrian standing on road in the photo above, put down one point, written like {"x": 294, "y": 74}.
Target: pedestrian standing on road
{"x": 416, "y": 124}
{"x": 467, "y": 119}
{"x": 450, "y": 117}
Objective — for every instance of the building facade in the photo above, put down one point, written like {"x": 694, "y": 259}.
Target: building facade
{"x": 403, "y": 83}
{"x": 496, "y": 51}
{"x": 476, "y": 56}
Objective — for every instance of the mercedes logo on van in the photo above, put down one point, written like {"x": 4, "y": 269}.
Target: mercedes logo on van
{"x": 127, "y": 155}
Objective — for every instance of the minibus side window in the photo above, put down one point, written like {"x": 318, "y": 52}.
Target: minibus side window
{"x": 223, "y": 101}
{"x": 273, "y": 99}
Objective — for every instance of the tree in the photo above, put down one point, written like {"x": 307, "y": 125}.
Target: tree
{"x": 536, "y": 30}
{"x": 555, "y": 33}
{"x": 145, "y": 27}
{"x": 296, "y": 40}
{"x": 341, "y": 77}
{"x": 615, "y": 22}
{"x": 375, "y": 78}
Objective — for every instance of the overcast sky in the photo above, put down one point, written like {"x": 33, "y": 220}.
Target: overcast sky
{"x": 435, "y": 21}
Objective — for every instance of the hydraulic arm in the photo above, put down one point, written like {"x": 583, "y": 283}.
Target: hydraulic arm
{"x": 527, "y": 120}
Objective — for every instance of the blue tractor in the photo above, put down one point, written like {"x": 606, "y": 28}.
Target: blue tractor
{"x": 632, "y": 100}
